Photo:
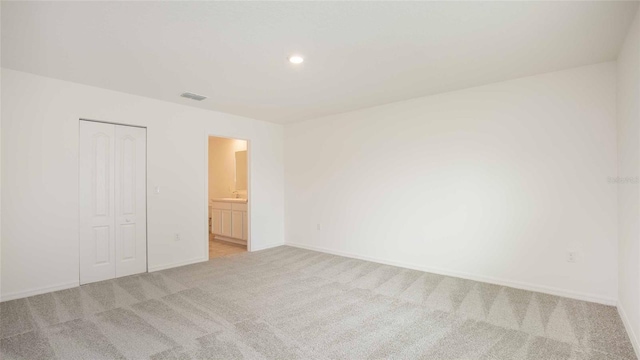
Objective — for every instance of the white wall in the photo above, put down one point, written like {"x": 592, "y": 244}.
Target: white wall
{"x": 40, "y": 177}
{"x": 628, "y": 192}
{"x": 222, "y": 166}
{"x": 494, "y": 183}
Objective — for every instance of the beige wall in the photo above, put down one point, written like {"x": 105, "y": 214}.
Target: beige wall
{"x": 222, "y": 165}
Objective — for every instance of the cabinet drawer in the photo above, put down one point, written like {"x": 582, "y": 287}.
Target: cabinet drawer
{"x": 239, "y": 207}
{"x": 221, "y": 205}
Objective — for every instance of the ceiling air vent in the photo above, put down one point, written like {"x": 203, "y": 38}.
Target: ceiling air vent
{"x": 193, "y": 96}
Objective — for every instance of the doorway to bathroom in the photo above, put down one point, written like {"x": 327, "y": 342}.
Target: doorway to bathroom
{"x": 228, "y": 196}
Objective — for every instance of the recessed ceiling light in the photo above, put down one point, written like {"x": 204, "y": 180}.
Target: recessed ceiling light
{"x": 296, "y": 59}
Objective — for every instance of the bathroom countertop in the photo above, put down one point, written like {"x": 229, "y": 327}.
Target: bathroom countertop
{"x": 229, "y": 200}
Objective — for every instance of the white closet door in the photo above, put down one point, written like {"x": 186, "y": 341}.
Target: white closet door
{"x": 130, "y": 200}
{"x": 96, "y": 176}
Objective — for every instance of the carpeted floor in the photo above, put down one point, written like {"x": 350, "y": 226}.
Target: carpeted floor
{"x": 288, "y": 303}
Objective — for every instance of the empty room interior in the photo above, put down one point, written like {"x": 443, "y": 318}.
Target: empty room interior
{"x": 320, "y": 180}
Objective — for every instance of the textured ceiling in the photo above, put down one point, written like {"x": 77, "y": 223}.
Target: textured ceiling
{"x": 357, "y": 54}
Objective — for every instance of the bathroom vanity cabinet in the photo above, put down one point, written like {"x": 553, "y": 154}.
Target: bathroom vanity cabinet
{"x": 229, "y": 221}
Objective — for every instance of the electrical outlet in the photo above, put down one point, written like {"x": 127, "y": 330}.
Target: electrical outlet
{"x": 177, "y": 237}
{"x": 318, "y": 227}
{"x": 572, "y": 256}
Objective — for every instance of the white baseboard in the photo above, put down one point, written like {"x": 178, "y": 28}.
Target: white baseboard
{"x": 178, "y": 264}
{"x": 630, "y": 332}
{"x": 48, "y": 289}
{"x": 38, "y": 291}
{"x": 266, "y": 246}
{"x": 486, "y": 279}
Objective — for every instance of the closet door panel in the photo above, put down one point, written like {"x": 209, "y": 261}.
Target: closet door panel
{"x": 130, "y": 200}
{"x": 96, "y": 208}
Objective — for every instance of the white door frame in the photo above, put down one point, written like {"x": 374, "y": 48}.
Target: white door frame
{"x": 146, "y": 187}
{"x": 206, "y": 190}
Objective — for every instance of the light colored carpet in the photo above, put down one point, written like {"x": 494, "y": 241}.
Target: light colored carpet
{"x": 288, "y": 303}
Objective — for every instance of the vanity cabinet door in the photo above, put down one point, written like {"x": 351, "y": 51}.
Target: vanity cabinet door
{"x": 236, "y": 221}
{"x": 216, "y": 221}
{"x": 226, "y": 223}
{"x": 245, "y": 226}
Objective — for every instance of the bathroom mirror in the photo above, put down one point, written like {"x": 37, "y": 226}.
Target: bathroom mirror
{"x": 241, "y": 170}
